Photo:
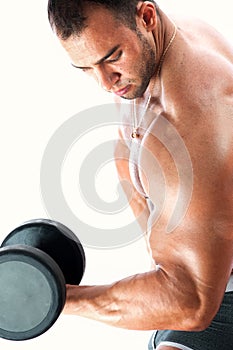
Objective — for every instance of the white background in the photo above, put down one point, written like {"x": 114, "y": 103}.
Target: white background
{"x": 39, "y": 91}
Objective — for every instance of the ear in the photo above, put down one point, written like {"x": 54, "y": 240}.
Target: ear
{"x": 146, "y": 12}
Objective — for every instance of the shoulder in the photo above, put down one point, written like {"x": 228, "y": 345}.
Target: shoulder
{"x": 203, "y": 38}
{"x": 199, "y": 67}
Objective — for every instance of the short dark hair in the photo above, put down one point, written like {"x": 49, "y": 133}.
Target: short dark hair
{"x": 67, "y": 17}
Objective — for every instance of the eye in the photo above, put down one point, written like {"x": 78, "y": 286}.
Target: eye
{"x": 116, "y": 58}
{"x": 83, "y": 69}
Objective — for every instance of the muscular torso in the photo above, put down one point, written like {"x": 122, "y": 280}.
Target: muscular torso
{"x": 192, "y": 103}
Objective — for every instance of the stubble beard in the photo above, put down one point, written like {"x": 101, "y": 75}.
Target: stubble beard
{"x": 147, "y": 69}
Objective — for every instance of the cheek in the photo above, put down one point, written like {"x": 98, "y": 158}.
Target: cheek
{"x": 133, "y": 63}
{"x": 128, "y": 67}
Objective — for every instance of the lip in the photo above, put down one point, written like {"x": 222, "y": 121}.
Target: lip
{"x": 123, "y": 91}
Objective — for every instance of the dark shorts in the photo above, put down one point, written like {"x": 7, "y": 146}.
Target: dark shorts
{"x": 218, "y": 336}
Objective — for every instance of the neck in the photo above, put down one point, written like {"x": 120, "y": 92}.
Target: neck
{"x": 164, "y": 35}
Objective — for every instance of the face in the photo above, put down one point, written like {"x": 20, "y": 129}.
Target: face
{"x": 122, "y": 61}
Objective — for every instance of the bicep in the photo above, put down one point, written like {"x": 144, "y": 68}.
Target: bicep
{"x": 198, "y": 253}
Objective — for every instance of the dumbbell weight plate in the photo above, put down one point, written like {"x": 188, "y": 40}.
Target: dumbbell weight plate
{"x": 32, "y": 292}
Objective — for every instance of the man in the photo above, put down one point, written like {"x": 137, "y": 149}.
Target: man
{"x": 181, "y": 72}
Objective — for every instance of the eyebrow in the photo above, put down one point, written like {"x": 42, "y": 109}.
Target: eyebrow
{"x": 109, "y": 54}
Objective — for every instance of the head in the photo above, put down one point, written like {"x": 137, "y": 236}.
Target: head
{"x": 112, "y": 40}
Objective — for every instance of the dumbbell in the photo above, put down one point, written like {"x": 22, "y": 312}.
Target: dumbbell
{"x": 37, "y": 260}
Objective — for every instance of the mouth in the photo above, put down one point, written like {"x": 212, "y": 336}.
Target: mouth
{"x": 123, "y": 91}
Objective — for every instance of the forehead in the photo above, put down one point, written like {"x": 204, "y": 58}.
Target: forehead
{"x": 103, "y": 32}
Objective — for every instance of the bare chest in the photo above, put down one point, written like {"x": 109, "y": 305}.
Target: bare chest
{"x": 182, "y": 147}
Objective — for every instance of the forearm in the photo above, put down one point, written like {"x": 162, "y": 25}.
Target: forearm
{"x": 145, "y": 301}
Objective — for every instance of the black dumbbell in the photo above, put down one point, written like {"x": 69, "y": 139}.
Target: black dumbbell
{"x": 37, "y": 260}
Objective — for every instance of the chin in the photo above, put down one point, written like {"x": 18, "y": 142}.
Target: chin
{"x": 127, "y": 97}
{"x": 137, "y": 94}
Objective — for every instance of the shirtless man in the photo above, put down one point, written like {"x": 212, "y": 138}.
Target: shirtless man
{"x": 181, "y": 71}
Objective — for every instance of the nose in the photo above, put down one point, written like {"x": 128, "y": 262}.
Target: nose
{"x": 106, "y": 78}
